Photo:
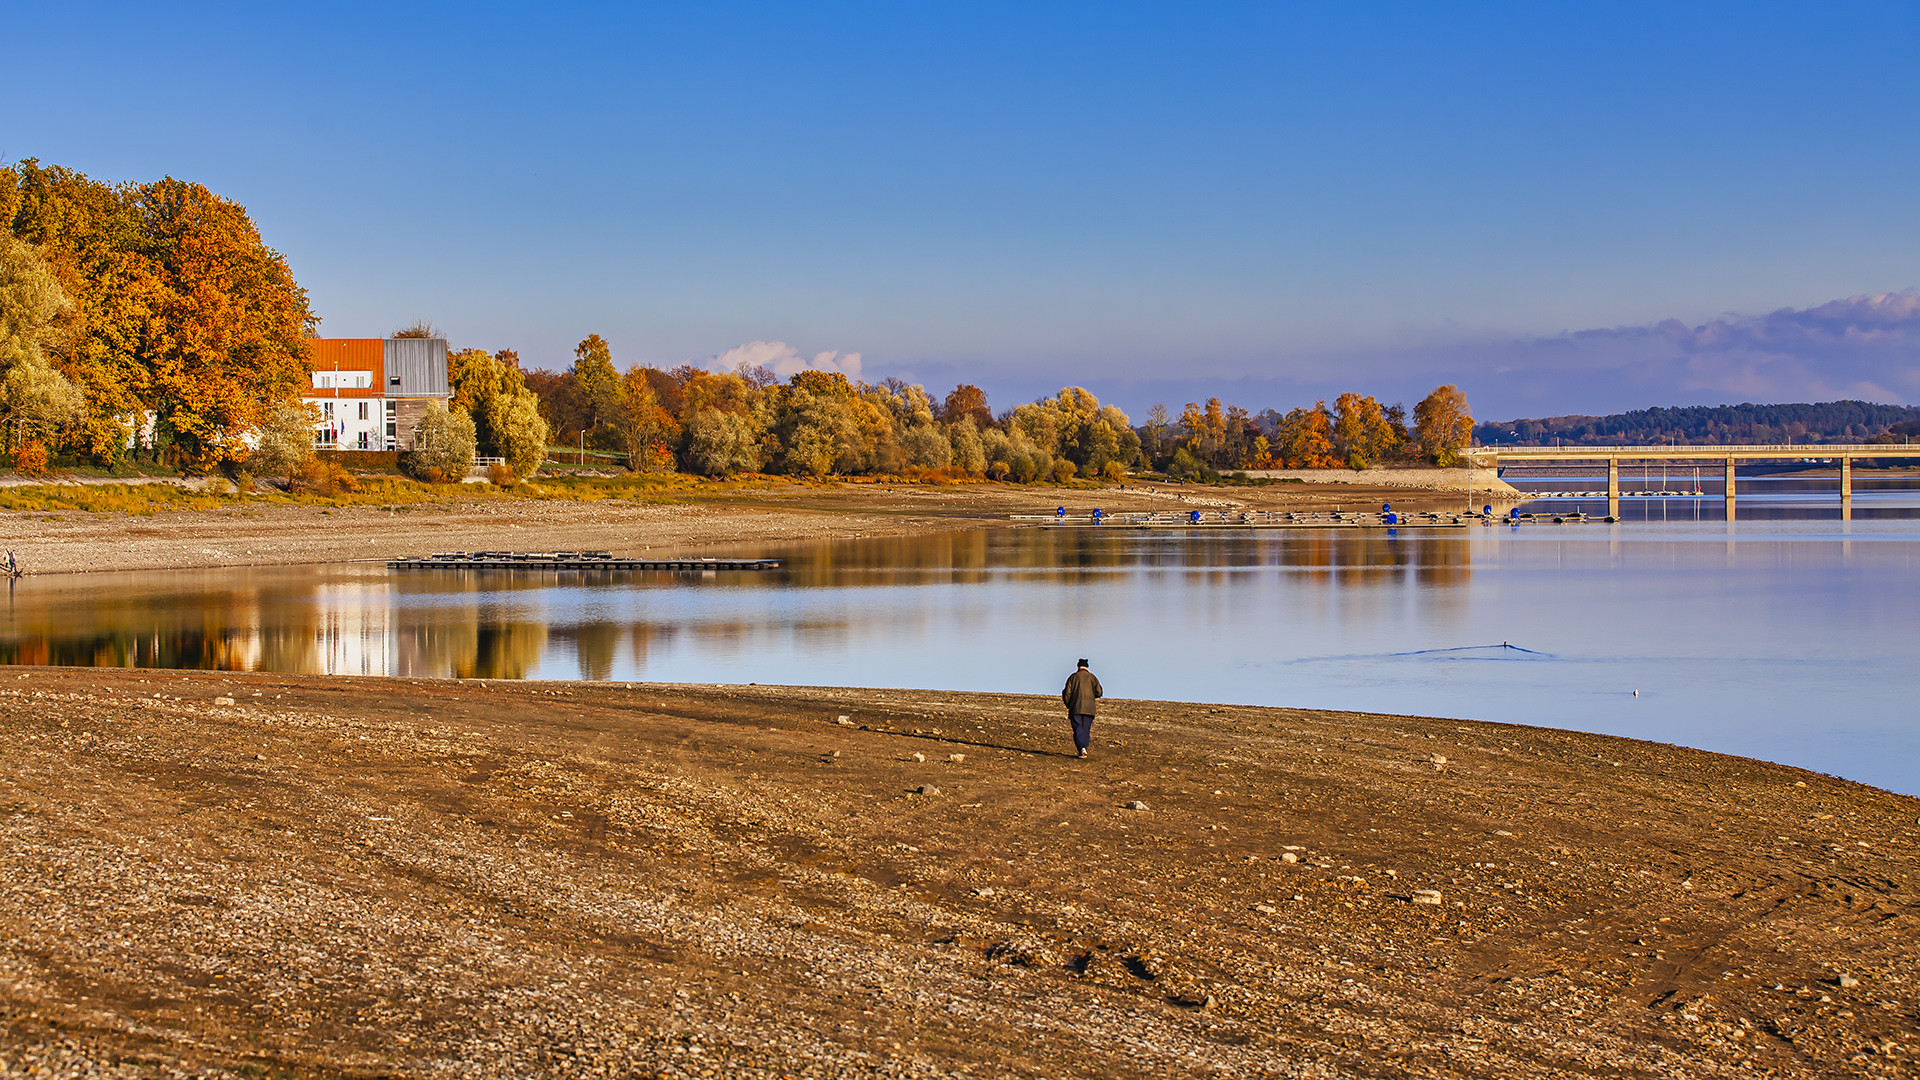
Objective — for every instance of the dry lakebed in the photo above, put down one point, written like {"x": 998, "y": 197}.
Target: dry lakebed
{"x": 218, "y": 874}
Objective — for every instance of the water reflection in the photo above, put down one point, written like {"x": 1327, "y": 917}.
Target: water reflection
{"x": 358, "y": 620}
{"x": 1780, "y": 639}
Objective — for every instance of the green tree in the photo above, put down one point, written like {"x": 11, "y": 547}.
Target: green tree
{"x": 39, "y": 402}
{"x": 601, "y": 390}
{"x": 968, "y": 453}
{"x": 285, "y": 445}
{"x": 35, "y": 312}
{"x": 722, "y": 443}
{"x": 519, "y": 432}
{"x": 443, "y": 445}
{"x": 507, "y": 422}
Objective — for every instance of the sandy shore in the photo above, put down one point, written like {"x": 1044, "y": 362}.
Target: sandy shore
{"x": 249, "y": 875}
{"x": 254, "y": 533}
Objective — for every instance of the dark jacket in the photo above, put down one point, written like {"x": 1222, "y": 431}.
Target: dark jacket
{"x": 1081, "y": 692}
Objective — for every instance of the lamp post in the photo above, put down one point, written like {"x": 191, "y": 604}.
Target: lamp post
{"x": 583, "y": 441}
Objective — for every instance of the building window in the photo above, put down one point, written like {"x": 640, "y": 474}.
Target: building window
{"x": 363, "y": 410}
{"x": 342, "y": 380}
{"x": 326, "y": 409}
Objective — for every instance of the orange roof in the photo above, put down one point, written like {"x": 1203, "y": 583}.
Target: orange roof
{"x": 349, "y": 354}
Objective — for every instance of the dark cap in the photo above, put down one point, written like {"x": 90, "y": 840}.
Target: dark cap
{"x": 1083, "y": 661}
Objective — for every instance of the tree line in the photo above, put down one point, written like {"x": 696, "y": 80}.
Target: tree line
{"x": 152, "y": 321}
{"x": 820, "y": 423}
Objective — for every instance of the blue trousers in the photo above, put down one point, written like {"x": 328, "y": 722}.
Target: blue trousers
{"x": 1082, "y": 730}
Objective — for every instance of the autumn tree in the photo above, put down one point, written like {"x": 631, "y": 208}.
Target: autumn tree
{"x": 1303, "y": 439}
{"x": 184, "y": 311}
{"x": 1361, "y": 435}
{"x": 966, "y": 402}
{"x": 1443, "y": 424}
{"x": 650, "y": 431}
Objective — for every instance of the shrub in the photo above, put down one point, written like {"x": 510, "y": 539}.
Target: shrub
{"x": 443, "y": 446}
{"x": 1063, "y": 471}
{"x": 322, "y": 476}
{"x": 502, "y": 475}
{"x": 31, "y": 459}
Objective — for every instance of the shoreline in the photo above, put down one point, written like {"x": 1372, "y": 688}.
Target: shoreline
{"x": 682, "y": 522}
{"x": 234, "y": 872}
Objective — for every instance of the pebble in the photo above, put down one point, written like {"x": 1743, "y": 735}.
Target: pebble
{"x": 919, "y": 757}
{"x": 1437, "y": 759}
{"x": 1289, "y": 858}
{"x": 844, "y": 721}
{"x": 956, "y": 758}
{"x": 928, "y": 789}
{"x": 223, "y": 701}
{"x": 1426, "y": 896}
{"x": 1845, "y": 981}
{"x": 1136, "y": 805}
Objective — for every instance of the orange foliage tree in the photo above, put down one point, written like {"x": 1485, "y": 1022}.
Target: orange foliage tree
{"x": 185, "y": 312}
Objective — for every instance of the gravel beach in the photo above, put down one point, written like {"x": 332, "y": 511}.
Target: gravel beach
{"x": 213, "y": 874}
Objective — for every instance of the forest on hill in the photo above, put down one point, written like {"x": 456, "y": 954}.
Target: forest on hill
{"x": 1820, "y": 422}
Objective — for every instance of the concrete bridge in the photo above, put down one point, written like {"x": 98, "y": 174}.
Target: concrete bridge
{"x": 1844, "y": 453}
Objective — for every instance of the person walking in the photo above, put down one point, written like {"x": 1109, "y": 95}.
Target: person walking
{"x": 1080, "y": 695}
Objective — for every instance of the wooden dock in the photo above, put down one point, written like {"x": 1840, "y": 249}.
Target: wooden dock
{"x": 568, "y": 560}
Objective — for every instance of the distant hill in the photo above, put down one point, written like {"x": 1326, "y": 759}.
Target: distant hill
{"x": 1827, "y": 421}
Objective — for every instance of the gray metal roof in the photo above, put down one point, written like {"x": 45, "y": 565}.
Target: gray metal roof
{"x": 417, "y": 367}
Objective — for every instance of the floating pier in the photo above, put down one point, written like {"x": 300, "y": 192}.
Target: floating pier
{"x": 566, "y": 560}
{"x": 1239, "y": 520}
{"x": 1269, "y": 520}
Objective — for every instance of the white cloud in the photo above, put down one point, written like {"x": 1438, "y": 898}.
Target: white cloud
{"x": 784, "y": 360}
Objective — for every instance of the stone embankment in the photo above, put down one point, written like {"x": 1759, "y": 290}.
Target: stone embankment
{"x": 1461, "y": 480}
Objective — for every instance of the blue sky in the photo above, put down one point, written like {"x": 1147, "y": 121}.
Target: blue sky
{"x": 1272, "y": 202}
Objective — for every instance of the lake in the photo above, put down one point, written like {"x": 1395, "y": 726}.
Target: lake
{"x": 1787, "y": 635}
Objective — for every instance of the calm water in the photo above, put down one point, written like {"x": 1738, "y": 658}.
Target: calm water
{"x": 1791, "y": 639}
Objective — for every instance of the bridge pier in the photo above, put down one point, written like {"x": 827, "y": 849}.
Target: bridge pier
{"x": 1846, "y": 488}
{"x": 1730, "y": 489}
{"x": 1613, "y": 487}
